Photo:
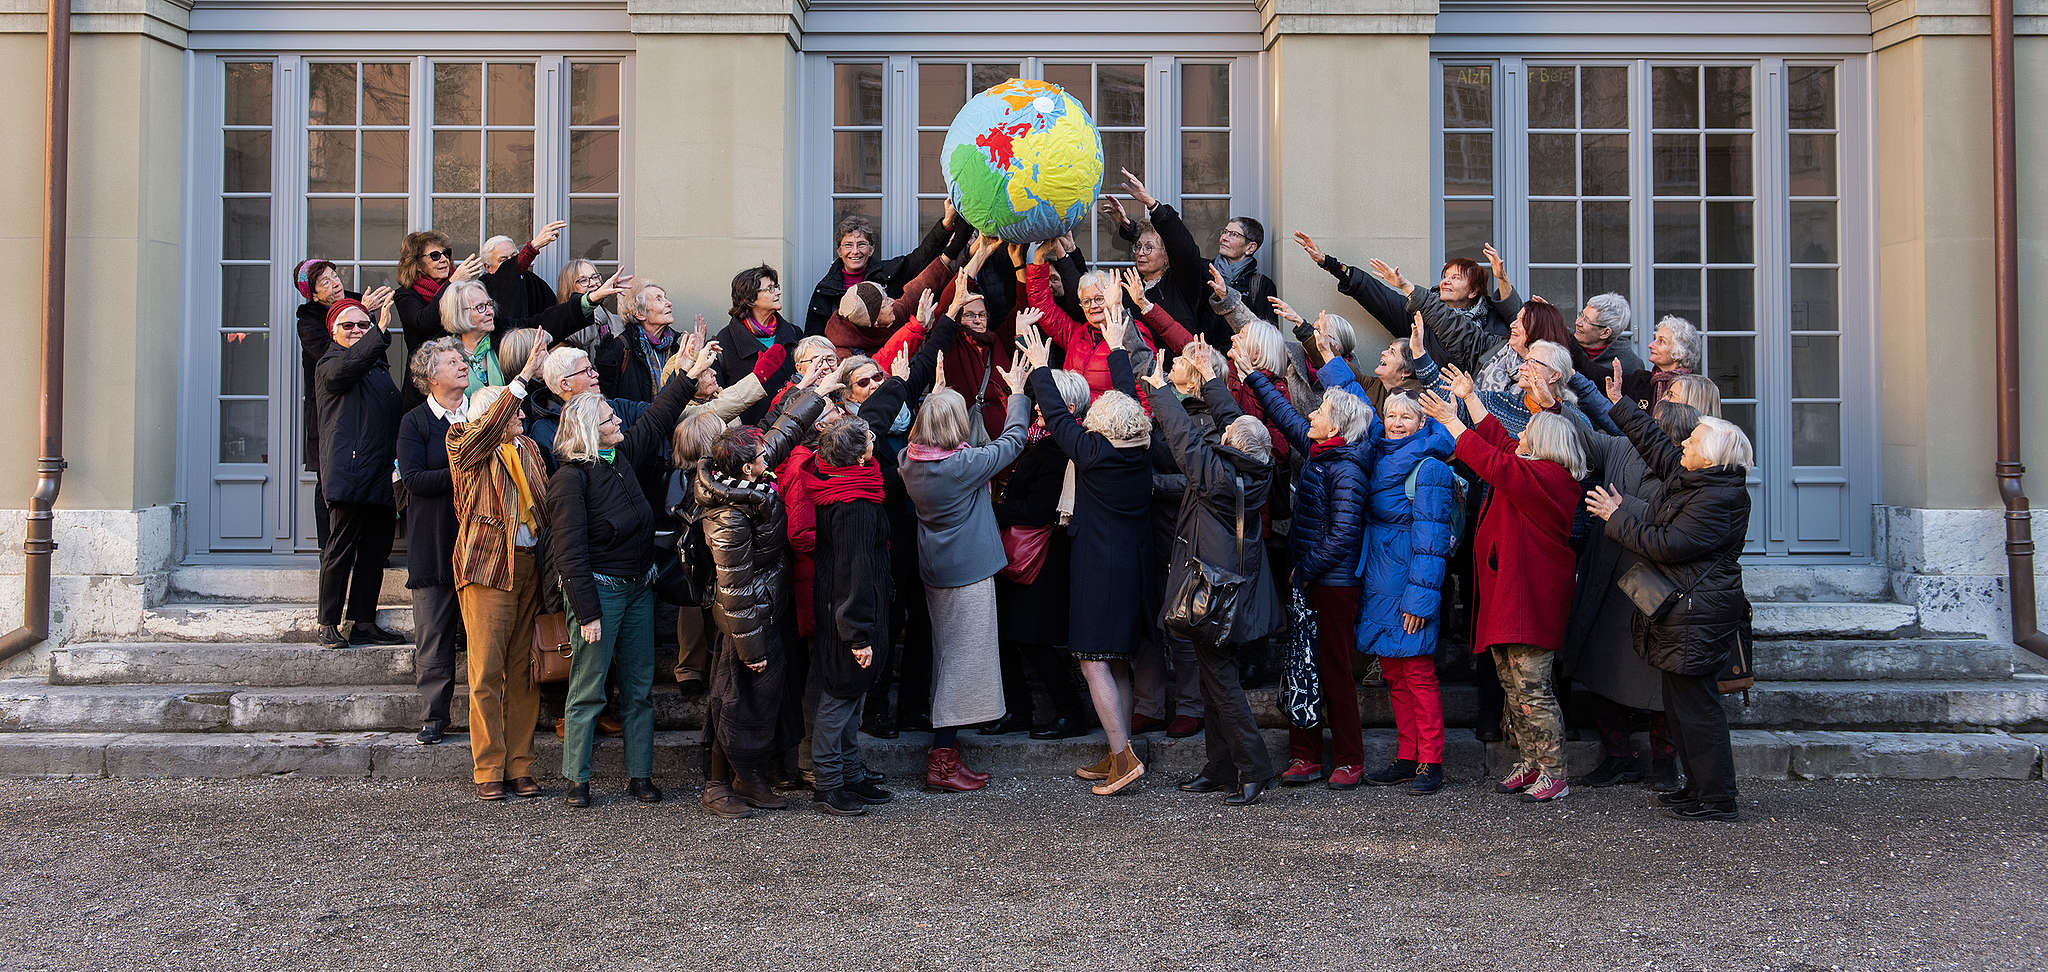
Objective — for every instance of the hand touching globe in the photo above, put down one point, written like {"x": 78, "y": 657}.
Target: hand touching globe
{"x": 1023, "y": 161}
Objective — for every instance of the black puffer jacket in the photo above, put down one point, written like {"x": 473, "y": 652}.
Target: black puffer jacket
{"x": 1207, "y": 527}
{"x": 743, "y": 528}
{"x": 359, "y": 413}
{"x": 598, "y": 510}
{"x": 1693, "y": 534}
{"x": 1329, "y": 498}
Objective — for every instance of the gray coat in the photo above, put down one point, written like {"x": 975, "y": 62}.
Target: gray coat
{"x": 1599, "y": 643}
{"x": 1206, "y": 528}
{"x": 958, "y": 542}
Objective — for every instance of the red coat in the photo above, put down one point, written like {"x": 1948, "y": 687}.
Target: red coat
{"x": 1085, "y": 350}
{"x": 802, "y": 531}
{"x": 1522, "y": 557}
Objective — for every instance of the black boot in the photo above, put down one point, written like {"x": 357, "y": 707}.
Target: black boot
{"x": 368, "y": 633}
{"x": 1398, "y": 771}
{"x": 1061, "y": 728}
{"x": 331, "y": 637}
{"x": 839, "y": 803}
{"x": 1614, "y": 770}
{"x": 578, "y": 795}
{"x": 1665, "y": 777}
{"x": 879, "y": 725}
{"x": 643, "y": 789}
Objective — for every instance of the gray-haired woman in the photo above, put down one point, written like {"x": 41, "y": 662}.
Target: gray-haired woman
{"x": 1602, "y": 330}
{"x": 1675, "y": 349}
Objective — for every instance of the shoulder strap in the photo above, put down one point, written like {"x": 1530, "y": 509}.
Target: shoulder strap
{"x": 1237, "y": 484}
{"x": 1414, "y": 475}
{"x": 1734, "y": 550}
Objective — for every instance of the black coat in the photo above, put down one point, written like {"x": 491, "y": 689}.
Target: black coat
{"x": 737, "y": 349}
{"x": 359, "y": 412}
{"x": 1181, "y": 291}
{"x": 850, "y": 594}
{"x": 598, "y": 514}
{"x": 430, "y": 499}
{"x": 1600, "y": 641}
{"x": 743, "y": 528}
{"x": 520, "y": 293}
{"x": 314, "y": 340}
{"x": 1036, "y": 613}
{"x": 893, "y": 274}
{"x": 1206, "y": 529}
{"x": 1330, "y": 497}
{"x": 422, "y": 319}
{"x": 1693, "y": 536}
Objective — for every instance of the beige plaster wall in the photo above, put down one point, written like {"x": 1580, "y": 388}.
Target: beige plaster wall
{"x": 717, "y": 119}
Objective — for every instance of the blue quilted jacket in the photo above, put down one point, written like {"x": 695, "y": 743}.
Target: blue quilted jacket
{"x": 1407, "y": 545}
{"x": 1329, "y": 499}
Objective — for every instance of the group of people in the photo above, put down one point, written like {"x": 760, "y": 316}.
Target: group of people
{"x": 975, "y": 462}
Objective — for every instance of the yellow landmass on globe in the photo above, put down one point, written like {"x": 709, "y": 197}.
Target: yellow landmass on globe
{"x": 1058, "y": 166}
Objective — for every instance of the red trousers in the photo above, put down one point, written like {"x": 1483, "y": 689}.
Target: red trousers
{"x": 1336, "y": 631}
{"x": 1418, "y": 707}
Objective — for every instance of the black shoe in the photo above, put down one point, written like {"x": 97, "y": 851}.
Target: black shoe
{"x": 1249, "y": 793}
{"x": 578, "y": 795}
{"x": 331, "y": 637}
{"x": 367, "y": 633}
{"x": 1487, "y": 733}
{"x": 1203, "y": 784}
{"x": 838, "y": 803}
{"x": 872, "y": 778}
{"x": 1398, "y": 771}
{"x": 1007, "y": 725}
{"x": 1665, "y": 777}
{"x": 869, "y": 793}
{"x": 1700, "y": 811}
{"x": 1612, "y": 771}
{"x": 880, "y": 727}
{"x": 1679, "y": 798}
{"x": 431, "y": 733}
{"x": 690, "y": 686}
{"x": 915, "y": 722}
{"x": 643, "y": 790}
{"x": 1429, "y": 778}
{"x": 1061, "y": 728}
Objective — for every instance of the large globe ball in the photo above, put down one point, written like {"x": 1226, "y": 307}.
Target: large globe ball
{"x": 1023, "y": 161}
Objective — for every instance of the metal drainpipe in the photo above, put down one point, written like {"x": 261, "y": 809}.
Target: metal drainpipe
{"x": 2019, "y": 529}
{"x": 35, "y": 624}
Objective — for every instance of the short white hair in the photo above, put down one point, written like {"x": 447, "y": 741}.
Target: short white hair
{"x": 491, "y": 245}
{"x": 453, "y": 320}
{"x": 1554, "y": 438}
{"x": 561, "y": 364}
{"x": 1552, "y": 355}
{"x": 1249, "y": 436}
{"x": 635, "y": 308}
{"x": 1117, "y": 417}
{"x": 1095, "y": 278}
{"x": 1723, "y": 443}
{"x": 814, "y": 344}
{"x": 1352, "y": 417}
{"x": 1685, "y": 340}
{"x": 578, "y": 431}
{"x": 481, "y": 400}
{"x": 1074, "y": 390}
{"x": 1343, "y": 333}
{"x": 1613, "y": 313}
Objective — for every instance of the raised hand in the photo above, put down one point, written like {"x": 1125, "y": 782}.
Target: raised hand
{"x": 815, "y": 372}
{"x": 376, "y": 299}
{"x": 1602, "y": 501}
{"x": 952, "y": 217}
{"x": 1389, "y": 275}
{"x": 384, "y": 315}
{"x": 1216, "y": 284}
{"x": 700, "y": 330}
{"x": 1017, "y": 257}
{"x": 1308, "y": 245}
{"x": 832, "y": 380}
{"x": 1281, "y": 310}
{"x": 548, "y": 234}
{"x": 470, "y": 268}
{"x": 1115, "y": 326}
{"x": 1134, "y": 285}
{"x": 1460, "y": 382}
{"x": 1016, "y": 373}
{"x": 899, "y": 366}
{"x": 925, "y": 302}
{"x": 1324, "y": 339}
{"x": 1029, "y": 317}
{"x": 961, "y": 293}
{"x": 535, "y": 357}
{"x": 1436, "y": 407}
{"x": 1032, "y": 343}
{"x": 1157, "y": 376}
{"x": 1494, "y": 262}
{"x": 983, "y": 247}
{"x": 1113, "y": 208}
{"x": 1614, "y": 383}
{"x": 1416, "y": 333}
{"x": 1135, "y": 188}
{"x": 613, "y": 286}
{"x": 706, "y": 357}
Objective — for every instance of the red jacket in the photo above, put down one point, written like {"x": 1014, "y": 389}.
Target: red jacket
{"x": 802, "y": 531}
{"x": 1086, "y": 351}
{"x": 850, "y": 340}
{"x": 1522, "y": 557}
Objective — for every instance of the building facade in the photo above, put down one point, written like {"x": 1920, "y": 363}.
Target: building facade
{"x": 1807, "y": 180}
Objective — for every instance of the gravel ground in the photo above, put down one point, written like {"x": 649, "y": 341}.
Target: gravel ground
{"x": 1032, "y": 873}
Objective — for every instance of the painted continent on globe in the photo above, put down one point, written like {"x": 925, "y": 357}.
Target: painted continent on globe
{"x": 1023, "y": 161}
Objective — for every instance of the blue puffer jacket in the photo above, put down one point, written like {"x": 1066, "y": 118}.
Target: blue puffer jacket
{"x": 1407, "y": 545}
{"x": 1329, "y": 499}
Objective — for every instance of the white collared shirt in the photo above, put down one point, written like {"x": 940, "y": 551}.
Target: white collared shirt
{"x": 452, "y": 416}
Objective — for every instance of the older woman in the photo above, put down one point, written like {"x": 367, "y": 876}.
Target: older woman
{"x": 567, "y": 373}
{"x": 1110, "y": 554}
{"x": 755, "y": 324}
{"x": 1675, "y": 349}
{"x": 1167, "y": 258}
{"x": 426, "y": 265}
{"x": 1481, "y": 295}
{"x": 501, "y": 518}
{"x": 1698, "y": 391}
{"x": 1694, "y": 537}
{"x": 603, "y": 549}
{"x": 1086, "y": 350}
{"x": 508, "y": 273}
{"x": 359, "y": 413}
{"x": 1543, "y": 383}
{"x": 960, "y": 551}
{"x": 437, "y": 370}
{"x": 1034, "y": 616}
{"x": 1524, "y": 563}
{"x": 1602, "y": 330}
{"x": 320, "y": 283}
{"x": 867, "y": 316}
{"x": 854, "y": 247}
{"x": 469, "y": 313}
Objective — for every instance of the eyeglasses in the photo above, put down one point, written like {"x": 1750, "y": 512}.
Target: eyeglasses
{"x": 1145, "y": 248}
{"x": 765, "y": 287}
{"x": 437, "y": 254}
{"x": 1232, "y": 233}
{"x": 353, "y": 325}
{"x": 590, "y": 280}
{"x": 592, "y": 372}
{"x": 1096, "y": 301}
{"x": 489, "y": 307}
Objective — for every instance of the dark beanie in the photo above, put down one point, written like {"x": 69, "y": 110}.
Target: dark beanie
{"x": 871, "y": 296}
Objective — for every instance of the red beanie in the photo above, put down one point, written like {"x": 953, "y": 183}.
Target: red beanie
{"x": 343, "y": 304}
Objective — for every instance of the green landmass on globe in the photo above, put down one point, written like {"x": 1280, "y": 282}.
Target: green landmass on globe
{"x": 1023, "y": 161}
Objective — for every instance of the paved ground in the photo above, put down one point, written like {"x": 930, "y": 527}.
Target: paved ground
{"x": 1032, "y": 873}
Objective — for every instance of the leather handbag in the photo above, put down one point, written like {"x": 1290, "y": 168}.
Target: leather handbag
{"x": 1739, "y": 675}
{"x": 1203, "y": 608}
{"x": 551, "y": 649}
{"x": 1025, "y": 547}
{"x": 1652, "y": 591}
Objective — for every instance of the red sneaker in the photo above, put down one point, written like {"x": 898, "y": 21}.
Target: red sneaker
{"x": 1546, "y": 789}
{"x": 1301, "y": 772}
{"x": 1345, "y": 777}
{"x": 1523, "y": 775}
{"x": 1183, "y": 726}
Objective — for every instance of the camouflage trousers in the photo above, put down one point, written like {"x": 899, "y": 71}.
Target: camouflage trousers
{"x": 1535, "y": 724}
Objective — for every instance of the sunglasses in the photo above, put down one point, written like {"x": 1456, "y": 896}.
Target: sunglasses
{"x": 353, "y": 325}
{"x": 869, "y": 380}
{"x": 438, "y": 255}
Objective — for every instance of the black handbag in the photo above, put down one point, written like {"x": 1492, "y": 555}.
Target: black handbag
{"x": 682, "y": 566}
{"x": 1739, "y": 674}
{"x": 1203, "y": 609}
{"x": 1653, "y": 592}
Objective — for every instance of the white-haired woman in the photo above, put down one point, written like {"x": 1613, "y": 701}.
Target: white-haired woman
{"x": 960, "y": 551}
{"x": 508, "y": 273}
{"x": 1602, "y": 330}
{"x": 468, "y": 312}
{"x": 1086, "y": 350}
{"x": 1676, "y": 348}
{"x": 1110, "y": 559}
{"x": 630, "y": 365}
{"x": 1524, "y": 566}
{"x": 438, "y": 371}
{"x": 1694, "y": 537}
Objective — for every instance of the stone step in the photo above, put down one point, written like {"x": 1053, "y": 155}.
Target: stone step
{"x": 1835, "y": 619}
{"x": 236, "y": 622}
{"x": 257, "y": 584}
{"x": 2016, "y": 704}
{"x": 1759, "y": 754}
{"x": 1767, "y": 581}
{"x": 228, "y": 663}
{"x": 1811, "y": 659}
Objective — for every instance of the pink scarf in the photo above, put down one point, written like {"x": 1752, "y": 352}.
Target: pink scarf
{"x": 925, "y": 453}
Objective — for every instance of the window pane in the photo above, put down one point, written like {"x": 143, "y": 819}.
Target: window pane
{"x": 1678, "y": 293}
{"x": 1075, "y": 78}
{"x": 1205, "y": 95}
{"x": 458, "y": 94}
{"x": 1731, "y": 233}
{"x": 1731, "y": 300}
{"x": 594, "y": 94}
{"x": 1205, "y": 219}
{"x": 1468, "y": 163}
{"x": 930, "y": 211}
{"x": 941, "y": 90}
{"x": 1122, "y": 94}
{"x": 1675, "y": 97}
{"x": 1678, "y": 232}
{"x": 331, "y": 161}
{"x": 1122, "y": 150}
{"x": 382, "y": 228}
{"x": 1744, "y": 417}
{"x": 1675, "y": 164}
{"x": 385, "y": 161}
{"x": 1816, "y": 366}
{"x": 1604, "y": 280}
{"x": 594, "y": 161}
{"x": 1817, "y": 435}
{"x": 511, "y": 94}
{"x": 1553, "y": 97}
{"x": 987, "y": 76}
{"x": 856, "y": 94}
{"x": 1468, "y": 225}
{"x": 387, "y": 94}
{"x": 1112, "y": 247}
{"x": 248, "y": 94}
{"x": 461, "y": 221}
{"x": 458, "y": 161}
{"x": 1560, "y": 287}
{"x": 1813, "y": 232}
{"x": 1553, "y": 165}
{"x": 856, "y": 161}
{"x": 1553, "y": 232}
{"x": 245, "y": 431}
{"x": 1813, "y": 301}
{"x": 1813, "y": 164}
{"x": 1811, "y": 91}
{"x": 245, "y": 363}
{"x": 1604, "y": 165}
{"x": 511, "y": 168}
{"x": 1728, "y": 97}
{"x": 245, "y": 296}
{"x": 1728, "y": 165}
{"x": 594, "y": 228}
{"x": 931, "y": 172}
{"x": 245, "y": 163}
{"x": 331, "y": 94}
{"x": 331, "y": 228}
{"x": 1468, "y": 96}
{"x": 245, "y": 229}
{"x": 1603, "y": 97}
{"x": 1731, "y": 362}
{"x": 1205, "y": 162}
{"x": 513, "y": 217}
{"x": 1604, "y": 232}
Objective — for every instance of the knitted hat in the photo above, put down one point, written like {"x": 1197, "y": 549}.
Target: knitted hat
{"x": 306, "y": 272}
{"x": 867, "y": 297}
{"x": 334, "y": 313}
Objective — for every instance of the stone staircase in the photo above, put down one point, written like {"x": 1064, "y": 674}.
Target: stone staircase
{"x": 224, "y": 681}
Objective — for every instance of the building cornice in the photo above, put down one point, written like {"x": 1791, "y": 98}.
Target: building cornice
{"x": 165, "y": 20}
{"x": 1897, "y": 21}
{"x": 782, "y": 17}
{"x": 1280, "y": 17}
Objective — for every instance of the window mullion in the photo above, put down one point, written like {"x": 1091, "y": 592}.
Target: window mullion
{"x": 1642, "y": 208}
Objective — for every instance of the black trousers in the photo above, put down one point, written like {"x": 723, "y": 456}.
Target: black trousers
{"x": 1237, "y": 752}
{"x": 352, "y": 564}
{"x": 1026, "y": 666}
{"x": 320, "y": 513}
{"x": 1699, "y": 727}
{"x": 436, "y": 623}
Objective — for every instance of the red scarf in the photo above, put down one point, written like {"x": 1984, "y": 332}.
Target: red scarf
{"x": 1318, "y": 448}
{"x": 842, "y": 484}
{"x": 429, "y": 288}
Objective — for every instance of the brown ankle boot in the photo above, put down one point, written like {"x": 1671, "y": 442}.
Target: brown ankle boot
{"x": 942, "y": 771}
{"x": 757, "y": 793}
{"x": 1098, "y": 770}
{"x": 1124, "y": 770}
{"x": 719, "y": 800}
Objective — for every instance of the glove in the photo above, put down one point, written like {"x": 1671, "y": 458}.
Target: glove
{"x": 770, "y": 361}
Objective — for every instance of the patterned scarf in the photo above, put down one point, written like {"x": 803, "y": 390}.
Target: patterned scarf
{"x": 483, "y": 366}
